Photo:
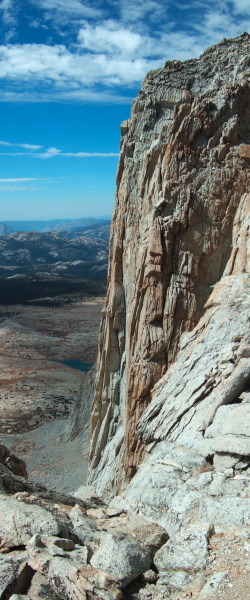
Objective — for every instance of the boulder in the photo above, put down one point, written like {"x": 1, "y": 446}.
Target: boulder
{"x": 16, "y": 465}
{"x": 85, "y": 528}
{"x": 15, "y": 574}
{"x": 40, "y": 589}
{"x": 145, "y": 531}
{"x": 71, "y": 577}
{"x": 121, "y": 557}
{"x": 10, "y": 568}
{"x": 187, "y": 551}
{"x": 20, "y": 521}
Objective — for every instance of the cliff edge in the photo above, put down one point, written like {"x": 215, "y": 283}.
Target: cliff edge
{"x": 179, "y": 232}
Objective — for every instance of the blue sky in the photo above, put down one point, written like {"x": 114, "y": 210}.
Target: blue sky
{"x": 69, "y": 71}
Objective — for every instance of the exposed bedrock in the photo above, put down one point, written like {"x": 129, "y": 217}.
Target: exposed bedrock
{"x": 180, "y": 227}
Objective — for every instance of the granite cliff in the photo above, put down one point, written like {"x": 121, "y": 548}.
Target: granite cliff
{"x": 180, "y": 232}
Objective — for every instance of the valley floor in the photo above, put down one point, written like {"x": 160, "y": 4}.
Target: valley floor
{"x": 37, "y": 391}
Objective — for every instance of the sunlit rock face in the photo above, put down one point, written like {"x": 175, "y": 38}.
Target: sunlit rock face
{"x": 182, "y": 204}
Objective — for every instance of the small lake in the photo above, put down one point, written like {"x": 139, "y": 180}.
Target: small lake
{"x": 76, "y": 363}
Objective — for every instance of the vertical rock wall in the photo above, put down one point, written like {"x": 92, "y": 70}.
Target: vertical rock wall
{"x": 183, "y": 168}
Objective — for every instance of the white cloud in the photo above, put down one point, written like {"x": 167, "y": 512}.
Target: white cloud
{"x": 7, "y": 8}
{"x": 30, "y": 146}
{"x": 18, "y": 179}
{"x": 241, "y": 7}
{"x": 67, "y": 95}
{"x": 220, "y": 23}
{"x": 50, "y": 153}
{"x": 36, "y": 24}
{"x": 135, "y": 11}
{"x": 111, "y": 55}
{"x": 35, "y": 63}
{"x": 27, "y": 146}
{"x": 109, "y": 38}
{"x": 71, "y": 9}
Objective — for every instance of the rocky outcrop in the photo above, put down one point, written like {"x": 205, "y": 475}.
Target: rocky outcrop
{"x": 182, "y": 202}
{"x": 60, "y": 547}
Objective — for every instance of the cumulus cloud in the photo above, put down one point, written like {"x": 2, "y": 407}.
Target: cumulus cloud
{"x": 111, "y": 46}
{"x": 57, "y": 65}
{"x": 109, "y": 38}
{"x": 219, "y": 23}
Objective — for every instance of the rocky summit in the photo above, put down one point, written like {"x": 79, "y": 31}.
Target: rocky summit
{"x": 166, "y": 513}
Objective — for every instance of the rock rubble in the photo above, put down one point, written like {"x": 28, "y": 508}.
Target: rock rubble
{"x": 68, "y": 548}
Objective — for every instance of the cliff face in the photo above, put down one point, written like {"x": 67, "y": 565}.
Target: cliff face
{"x": 181, "y": 188}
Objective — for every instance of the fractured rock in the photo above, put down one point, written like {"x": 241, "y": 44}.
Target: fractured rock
{"x": 40, "y": 589}
{"x": 182, "y": 198}
{"x": 212, "y": 584}
{"x": 20, "y": 521}
{"x": 121, "y": 557}
{"x": 10, "y": 568}
{"x": 85, "y": 528}
{"x": 187, "y": 551}
{"x": 73, "y": 578}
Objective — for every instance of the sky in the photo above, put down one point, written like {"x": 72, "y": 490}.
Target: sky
{"x": 69, "y": 70}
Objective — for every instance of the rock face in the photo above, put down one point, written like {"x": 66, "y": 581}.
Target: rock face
{"x": 182, "y": 203}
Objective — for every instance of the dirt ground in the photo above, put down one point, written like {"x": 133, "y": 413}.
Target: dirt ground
{"x": 50, "y": 460}
{"x": 37, "y": 392}
{"x": 34, "y": 386}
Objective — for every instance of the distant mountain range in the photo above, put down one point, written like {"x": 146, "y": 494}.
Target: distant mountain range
{"x": 32, "y": 253}
{"x": 52, "y": 225}
{"x": 5, "y": 229}
{"x": 36, "y": 265}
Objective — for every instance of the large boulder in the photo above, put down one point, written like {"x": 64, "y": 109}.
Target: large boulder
{"x": 20, "y": 521}
{"x": 122, "y": 558}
